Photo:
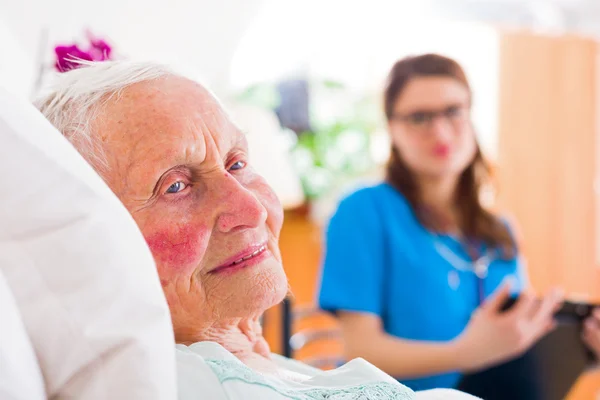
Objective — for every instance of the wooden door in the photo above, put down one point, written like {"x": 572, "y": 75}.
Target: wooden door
{"x": 547, "y": 162}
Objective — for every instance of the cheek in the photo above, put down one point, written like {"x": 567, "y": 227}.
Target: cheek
{"x": 414, "y": 152}
{"x": 271, "y": 202}
{"x": 267, "y": 197}
{"x": 467, "y": 144}
{"x": 408, "y": 144}
{"x": 179, "y": 249}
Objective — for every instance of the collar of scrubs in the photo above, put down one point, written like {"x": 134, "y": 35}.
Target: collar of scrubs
{"x": 478, "y": 266}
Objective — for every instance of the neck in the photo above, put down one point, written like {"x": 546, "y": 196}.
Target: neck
{"x": 240, "y": 336}
{"x": 438, "y": 192}
{"x": 439, "y": 195}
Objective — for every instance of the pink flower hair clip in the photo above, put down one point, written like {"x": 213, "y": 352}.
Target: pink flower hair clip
{"x": 68, "y": 57}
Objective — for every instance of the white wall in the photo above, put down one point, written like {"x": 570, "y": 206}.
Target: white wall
{"x": 200, "y": 34}
{"x": 357, "y": 42}
{"x": 203, "y": 34}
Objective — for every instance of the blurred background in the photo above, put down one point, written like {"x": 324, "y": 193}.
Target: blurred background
{"x": 304, "y": 79}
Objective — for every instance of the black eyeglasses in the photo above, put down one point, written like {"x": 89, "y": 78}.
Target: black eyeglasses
{"x": 421, "y": 120}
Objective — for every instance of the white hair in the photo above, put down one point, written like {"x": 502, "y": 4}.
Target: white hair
{"x": 76, "y": 97}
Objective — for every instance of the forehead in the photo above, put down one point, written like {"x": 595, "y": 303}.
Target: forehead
{"x": 423, "y": 93}
{"x": 153, "y": 126}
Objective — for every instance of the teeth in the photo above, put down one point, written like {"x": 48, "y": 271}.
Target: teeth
{"x": 257, "y": 252}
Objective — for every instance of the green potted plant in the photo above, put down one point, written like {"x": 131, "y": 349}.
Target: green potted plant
{"x": 337, "y": 149}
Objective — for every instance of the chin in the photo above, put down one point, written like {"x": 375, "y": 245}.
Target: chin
{"x": 256, "y": 290}
{"x": 273, "y": 286}
{"x": 446, "y": 168}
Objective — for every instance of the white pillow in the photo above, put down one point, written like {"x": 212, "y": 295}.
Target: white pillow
{"x": 78, "y": 267}
{"x": 20, "y": 376}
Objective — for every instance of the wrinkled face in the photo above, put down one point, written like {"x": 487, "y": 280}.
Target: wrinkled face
{"x": 182, "y": 170}
{"x": 431, "y": 127}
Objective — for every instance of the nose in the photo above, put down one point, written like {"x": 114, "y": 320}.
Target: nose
{"x": 441, "y": 128}
{"x": 238, "y": 207}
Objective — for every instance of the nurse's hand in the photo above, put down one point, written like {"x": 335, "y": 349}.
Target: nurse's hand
{"x": 591, "y": 332}
{"x": 494, "y": 336}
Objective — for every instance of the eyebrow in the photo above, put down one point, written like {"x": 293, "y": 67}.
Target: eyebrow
{"x": 444, "y": 107}
{"x": 240, "y": 143}
{"x": 176, "y": 168}
{"x": 193, "y": 168}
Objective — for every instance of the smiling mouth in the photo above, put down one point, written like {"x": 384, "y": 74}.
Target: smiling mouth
{"x": 257, "y": 255}
{"x": 241, "y": 260}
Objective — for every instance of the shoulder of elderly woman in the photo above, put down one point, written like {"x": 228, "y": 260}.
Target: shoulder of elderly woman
{"x": 208, "y": 368}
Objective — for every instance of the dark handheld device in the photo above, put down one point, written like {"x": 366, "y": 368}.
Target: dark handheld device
{"x": 547, "y": 371}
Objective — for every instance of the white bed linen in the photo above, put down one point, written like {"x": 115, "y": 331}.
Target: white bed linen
{"x": 80, "y": 272}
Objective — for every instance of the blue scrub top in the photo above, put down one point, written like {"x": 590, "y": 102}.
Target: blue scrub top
{"x": 379, "y": 259}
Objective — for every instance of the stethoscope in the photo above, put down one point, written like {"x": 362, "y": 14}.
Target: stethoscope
{"x": 479, "y": 266}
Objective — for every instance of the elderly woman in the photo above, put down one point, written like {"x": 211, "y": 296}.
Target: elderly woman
{"x": 171, "y": 154}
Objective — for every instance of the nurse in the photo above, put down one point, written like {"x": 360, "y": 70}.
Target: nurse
{"x": 416, "y": 268}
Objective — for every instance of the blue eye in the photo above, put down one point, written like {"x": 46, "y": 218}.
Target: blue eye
{"x": 176, "y": 187}
{"x": 237, "y": 166}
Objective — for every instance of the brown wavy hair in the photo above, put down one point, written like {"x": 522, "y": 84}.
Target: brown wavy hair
{"x": 475, "y": 222}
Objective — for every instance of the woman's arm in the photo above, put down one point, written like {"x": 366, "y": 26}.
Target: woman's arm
{"x": 400, "y": 358}
{"x": 491, "y": 337}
